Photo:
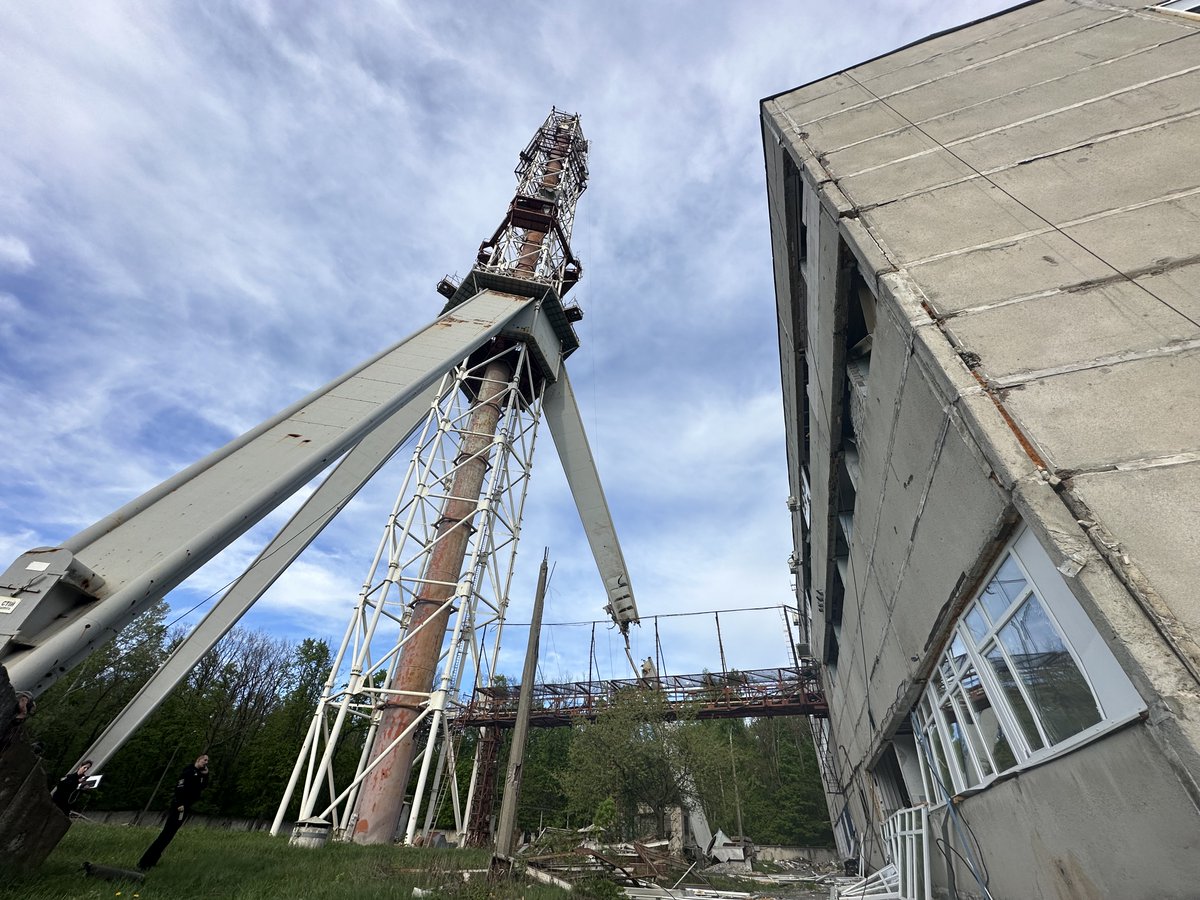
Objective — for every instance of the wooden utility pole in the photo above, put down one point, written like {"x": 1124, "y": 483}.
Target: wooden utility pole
{"x": 516, "y": 754}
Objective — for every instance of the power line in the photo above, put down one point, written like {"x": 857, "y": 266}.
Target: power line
{"x": 700, "y": 612}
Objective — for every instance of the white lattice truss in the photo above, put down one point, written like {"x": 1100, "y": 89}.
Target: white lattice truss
{"x": 365, "y": 662}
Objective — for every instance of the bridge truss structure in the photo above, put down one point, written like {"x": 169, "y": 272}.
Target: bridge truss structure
{"x": 756, "y": 693}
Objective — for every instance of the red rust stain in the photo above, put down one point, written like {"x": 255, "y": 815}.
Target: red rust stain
{"x": 1025, "y": 443}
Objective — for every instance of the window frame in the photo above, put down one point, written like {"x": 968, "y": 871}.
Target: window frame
{"x": 960, "y": 760}
{"x": 1188, "y": 9}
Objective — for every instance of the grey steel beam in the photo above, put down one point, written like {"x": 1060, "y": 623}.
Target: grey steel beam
{"x": 566, "y": 427}
{"x": 57, "y": 605}
{"x": 347, "y": 477}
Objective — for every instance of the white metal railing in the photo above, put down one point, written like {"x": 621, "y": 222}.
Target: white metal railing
{"x": 906, "y": 876}
{"x": 881, "y": 885}
{"x": 905, "y": 833}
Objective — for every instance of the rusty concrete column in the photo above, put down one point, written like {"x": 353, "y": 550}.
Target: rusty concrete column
{"x": 382, "y": 798}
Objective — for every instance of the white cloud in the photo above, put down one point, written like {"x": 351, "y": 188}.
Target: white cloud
{"x": 15, "y": 254}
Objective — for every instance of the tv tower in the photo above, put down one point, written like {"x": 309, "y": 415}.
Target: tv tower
{"x": 440, "y": 578}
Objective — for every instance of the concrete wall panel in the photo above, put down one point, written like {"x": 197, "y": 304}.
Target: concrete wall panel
{"x": 1146, "y": 236}
{"x": 957, "y": 528}
{"x": 1030, "y": 265}
{"x": 899, "y": 179}
{"x": 1141, "y": 409}
{"x": 951, "y": 218}
{"x": 1176, "y": 493}
{"x": 1179, "y": 287}
{"x": 1147, "y": 61}
{"x": 1123, "y": 788}
{"x": 976, "y": 38}
{"x": 1008, "y": 36}
{"x": 1130, "y": 169}
{"x": 1069, "y": 328}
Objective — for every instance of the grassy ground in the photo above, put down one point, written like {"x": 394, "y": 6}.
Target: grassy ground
{"x": 208, "y": 863}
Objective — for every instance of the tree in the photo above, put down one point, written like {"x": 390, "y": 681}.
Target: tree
{"x": 76, "y": 709}
{"x": 635, "y": 756}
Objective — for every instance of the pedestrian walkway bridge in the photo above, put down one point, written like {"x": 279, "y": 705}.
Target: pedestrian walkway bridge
{"x": 790, "y": 691}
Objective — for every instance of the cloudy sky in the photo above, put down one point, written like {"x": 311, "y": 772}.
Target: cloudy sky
{"x": 208, "y": 210}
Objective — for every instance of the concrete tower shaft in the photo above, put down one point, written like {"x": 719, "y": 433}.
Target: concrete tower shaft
{"x": 532, "y": 244}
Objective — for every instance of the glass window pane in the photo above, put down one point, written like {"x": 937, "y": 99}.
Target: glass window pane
{"x": 1006, "y": 586}
{"x": 935, "y": 681}
{"x": 939, "y": 759}
{"x": 958, "y": 652}
{"x": 1011, "y": 580}
{"x": 1012, "y": 694}
{"x": 988, "y": 736}
{"x": 977, "y": 623}
{"x": 956, "y": 743}
{"x": 1059, "y": 692}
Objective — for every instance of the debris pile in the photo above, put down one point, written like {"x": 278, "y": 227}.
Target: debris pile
{"x": 647, "y": 869}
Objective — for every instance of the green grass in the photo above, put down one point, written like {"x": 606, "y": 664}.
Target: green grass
{"x": 208, "y": 863}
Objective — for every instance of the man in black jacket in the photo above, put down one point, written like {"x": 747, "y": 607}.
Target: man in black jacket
{"x": 69, "y": 786}
{"x": 192, "y": 780}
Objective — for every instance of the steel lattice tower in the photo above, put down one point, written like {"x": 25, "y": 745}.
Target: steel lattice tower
{"x": 468, "y": 390}
{"x": 446, "y": 558}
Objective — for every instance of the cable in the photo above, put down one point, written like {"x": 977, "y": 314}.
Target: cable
{"x": 699, "y": 612}
{"x": 953, "y": 813}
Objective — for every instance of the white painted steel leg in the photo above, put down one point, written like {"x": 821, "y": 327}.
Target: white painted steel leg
{"x": 395, "y": 578}
{"x": 359, "y": 465}
{"x": 132, "y": 558}
{"x": 566, "y": 426}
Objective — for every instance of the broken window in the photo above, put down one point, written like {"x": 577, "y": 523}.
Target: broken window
{"x": 1024, "y": 676}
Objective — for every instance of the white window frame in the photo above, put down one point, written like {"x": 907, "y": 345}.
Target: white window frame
{"x": 1189, "y": 8}
{"x": 1116, "y": 699}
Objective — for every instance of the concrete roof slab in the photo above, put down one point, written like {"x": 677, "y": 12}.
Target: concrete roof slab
{"x": 1152, "y": 235}
{"x": 955, "y": 62}
{"x": 1078, "y": 124}
{"x": 1069, "y": 328}
{"x": 1088, "y": 82}
{"x": 1101, "y": 177}
{"x": 1136, "y": 410}
{"x": 1179, "y": 287}
{"x": 1037, "y": 263}
{"x": 956, "y": 217}
{"x": 1159, "y": 533}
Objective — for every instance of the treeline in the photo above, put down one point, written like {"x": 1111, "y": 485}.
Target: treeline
{"x": 630, "y": 768}
{"x": 248, "y": 704}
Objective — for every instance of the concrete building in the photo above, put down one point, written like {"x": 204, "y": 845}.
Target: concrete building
{"x": 987, "y": 263}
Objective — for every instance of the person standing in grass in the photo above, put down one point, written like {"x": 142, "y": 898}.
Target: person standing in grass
{"x": 69, "y": 786}
{"x": 192, "y": 781}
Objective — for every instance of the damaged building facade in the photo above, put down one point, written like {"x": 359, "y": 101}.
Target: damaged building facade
{"x": 987, "y": 265}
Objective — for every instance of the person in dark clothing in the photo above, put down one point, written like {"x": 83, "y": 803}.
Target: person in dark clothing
{"x": 192, "y": 780}
{"x": 69, "y": 785}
